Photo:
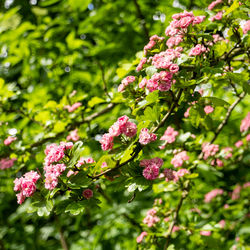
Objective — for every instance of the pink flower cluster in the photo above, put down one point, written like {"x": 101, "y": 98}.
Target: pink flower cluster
{"x": 227, "y": 152}
{"x": 209, "y": 149}
{"x": 151, "y": 167}
{"x": 214, "y": 3}
{"x": 246, "y": 27}
{"x": 236, "y": 192}
{"x": 73, "y": 107}
{"x": 139, "y": 239}
{"x": 151, "y": 219}
{"x": 165, "y": 59}
{"x": 197, "y": 50}
{"x": 54, "y": 153}
{"x": 171, "y": 175}
{"x": 146, "y": 137}
{"x": 238, "y": 144}
{"x": 26, "y": 185}
{"x": 73, "y": 135}
{"x": 208, "y": 109}
{"x": 218, "y": 16}
{"x": 152, "y": 42}
{"x": 140, "y": 65}
{"x": 83, "y": 161}
{"x": 179, "y": 159}
{"x": 181, "y": 22}
{"x": 9, "y": 140}
{"x": 205, "y": 233}
{"x": 121, "y": 126}
{"x": 169, "y": 136}
{"x": 7, "y": 163}
{"x": 245, "y": 123}
{"x": 217, "y": 162}
{"x": 125, "y": 82}
{"x": 212, "y": 194}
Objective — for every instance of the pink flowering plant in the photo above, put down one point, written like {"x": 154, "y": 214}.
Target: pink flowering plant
{"x": 165, "y": 145}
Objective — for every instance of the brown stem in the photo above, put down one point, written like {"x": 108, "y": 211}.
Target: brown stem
{"x": 229, "y": 111}
{"x": 62, "y": 238}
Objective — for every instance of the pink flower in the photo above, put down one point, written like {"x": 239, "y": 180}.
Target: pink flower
{"x": 227, "y": 152}
{"x": 83, "y": 161}
{"x": 9, "y": 140}
{"x": 54, "y": 153}
{"x": 160, "y": 81}
{"x": 107, "y": 142}
{"x": 71, "y": 172}
{"x": 175, "y": 229}
{"x": 125, "y": 82}
{"x": 115, "y": 129}
{"x": 169, "y": 174}
{"x": 208, "y": 109}
{"x": 186, "y": 114}
{"x": 151, "y": 219}
{"x": 151, "y": 172}
{"x": 73, "y": 136}
{"x": 246, "y": 185}
{"x": 205, "y": 233}
{"x": 245, "y": 123}
{"x": 246, "y": 27}
{"x": 130, "y": 129}
{"x": 122, "y": 121}
{"x": 7, "y": 163}
{"x": 139, "y": 239}
{"x": 26, "y": 185}
{"x": 152, "y": 42}
{"x": 143, "y": 83}
{"x": 238, "y": 144}
{"x": 174, "y": 68}
{"x": 87, "y": 193}
{"x": 218, "y": 16}
{"x": 197, "y": 50}
{"x": 219, "y": 163}
{"x": 209, "y": 149}
{"x": 212, "y": 194}
{"x": 198, "y": 19}
{"x": 222, "y": 223}
{"x": 146, "y": 137}
{"x": 179, "y": 158}
{"x": 248, "y": 137}
{"x": 214, "y": 3}
{"x": 73, "y": 107}
{"x": 169, "y": 135}
{"x": 157, "y": 161}
{"x": 185, "y": 22}
{"x": 140, "y": 65}
{"x": 236, "y": 192}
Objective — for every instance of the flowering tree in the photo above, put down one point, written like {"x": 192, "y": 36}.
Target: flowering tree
{"x": 177, "y": 140}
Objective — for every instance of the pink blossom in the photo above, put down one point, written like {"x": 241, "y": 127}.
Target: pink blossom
{"x": 146, "y": 137}
{"x": 238, "y": 144}
{"x": 179, "y": 159}
{"x": 198, "y": 19}
{"x": 218, "y": 16}
{"x": 130, "y": 129}
{"x": 214, "y": 3}
{"x": 236, "y": 192}
{"x": 219, "y": 163}
{"x": 122, "y": 121}
{"x": 209, "y": 149}
{"x": 115, "y": 129}
{"x": 169, "y": 174}
{"x": 180, "y": 173}
{"x": 156, "y": 161}
{"x": 107, "y": 142}
{"x": 73, "y": 107}
{"x": 197, "y": 50}
{"x": 208, "y": 109}
{"x": 248, "y": 137}
{"x": 226, "y": 206}
{"x": 26, "y": 185}
{"x": 87, "y": 193}
{"x": 73, "y": 135}
{"x": 175, "y": 229}
{"x": 246, "y": 185}
{"x": 222, "y": 223}
{"x": 186, "y": 114}
{"x": 245, "y": 123}
{"x": 54, "y": 153}
{"x": 66, "y": 145}
{"x": 151, "y": 172}
{"x": 9, "y": 140}
{"x": 246, "y": 27}
{"x": 174, "y": 41}
{"x": 169, "y": 135}
{"x": 174, "y": 68}
{"x": 151, "y": 219}
{"x": 227, "y": 152}
{"x": 212, "y": 194}
{"x": 83, "y": 161}
{"x": 139, "y": 239}
{"x": 143, "y": 83}
{"x": 205, "y": 233}
{"x": 104, "y": 164}
{"x": 160, "y": 81}
{"x": 152, "y": 42}
{"x": 140, "y": 65}
{"x": 7, "y": 163}
{"x": 71, "y": 172}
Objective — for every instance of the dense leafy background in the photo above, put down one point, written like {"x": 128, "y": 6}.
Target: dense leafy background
{"x": 50, "y": 48}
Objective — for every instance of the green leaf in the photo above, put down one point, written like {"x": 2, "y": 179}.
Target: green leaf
{"x": 232, "y": 8}
{"x": 75, "y": 152}
{"x": 76, "y": 208}
{"x": 216, "y": 101}
{"x": 95, "y": 100}
{"x": 192, "y": 176}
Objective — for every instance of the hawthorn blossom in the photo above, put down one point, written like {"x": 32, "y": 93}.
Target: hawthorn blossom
{"x": 245, "y": 123}
{"x": 146, "y": 137}
{"x": 140, "y": 65}
{"x": 83, "y": 161}
{"x": 26, "y": 185}
{"x": 186, "y": 114}
{"x": 208, "y": 109}
{"x": 151, "y": 172}
{"x": 7, "y": 163}
{"x": 169, "y": 135}
{"x": 54, "y": 153}
{"x": 130, "y": 129}
{"x": 125, "y": 82}
{"x": 227, "y": 152}
{"x": 160, "y": 81}
{"x": 151, "y": 219}
{"x": 222, "y": 223}
{"x": 73, "y": 107}
{"x": 218, "y": 16}
{"x": 214, "y": 3}
{"x": 238, "y": 144}
{"x": 107, "y": 142}
{"x": 246, "y": 27}
{"x": 209, "y": 149}
{"x": 236, "y": 192}
{"x": 205, "y": 233}
{"x": 9, "y": 140}
{"x": 212, "y": 194}
{"x": 169, "y": 174}
{"x": 73, "y": 136}
{"x": 139, "y": 239}
{"x": 143, "y": 83}
{"x": 248, "y": 137}
{"x": 152, "y": 42}
{"x": 197, "y": 50}
{"x": 179, "y": 159}
{"x": 87, "y": 193}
